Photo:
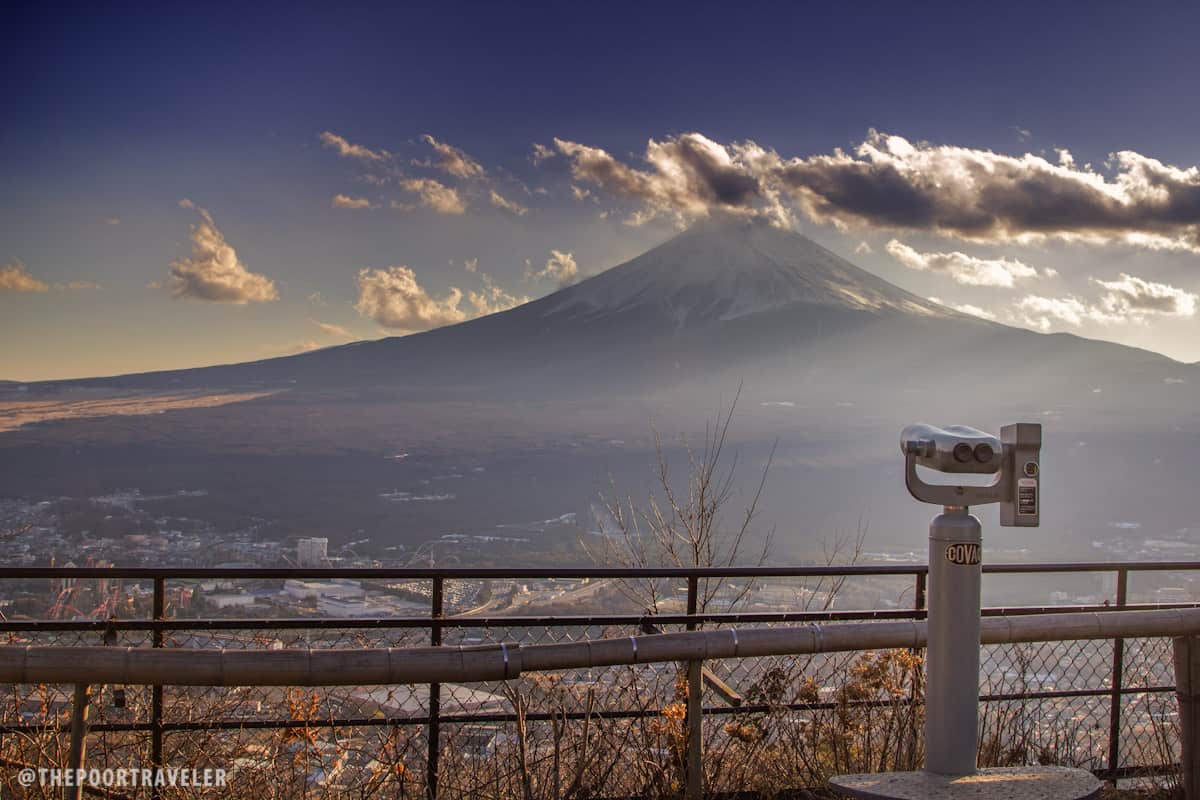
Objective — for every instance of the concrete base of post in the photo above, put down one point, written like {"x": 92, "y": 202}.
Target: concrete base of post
{"x": 999, "y": 783}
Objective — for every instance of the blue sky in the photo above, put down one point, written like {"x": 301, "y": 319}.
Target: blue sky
{"x": 117, "y": 114}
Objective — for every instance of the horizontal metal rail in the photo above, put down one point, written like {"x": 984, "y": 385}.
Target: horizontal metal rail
{"x": 500, "y": 717}
{"x": 389, "y": 665}
{"x": 536, "y": 621}
{"x": 547, "y": 573}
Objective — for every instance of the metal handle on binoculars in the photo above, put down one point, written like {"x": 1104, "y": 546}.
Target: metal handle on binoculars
{"x": 944, "y": 494}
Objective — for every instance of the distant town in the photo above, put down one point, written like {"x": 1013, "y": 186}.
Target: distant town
{"x": 118, "y": 529}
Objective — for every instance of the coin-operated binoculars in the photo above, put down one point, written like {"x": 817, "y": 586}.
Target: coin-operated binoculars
{"x": 952, "y": 656}
{"x": 955, "y": 544}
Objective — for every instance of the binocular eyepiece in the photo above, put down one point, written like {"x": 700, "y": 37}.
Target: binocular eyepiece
{"x": 955, "y": 448}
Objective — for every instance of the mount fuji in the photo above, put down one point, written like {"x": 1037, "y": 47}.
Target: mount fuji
{"x": 722, "y": 304}
{"x": 534, "y": 406}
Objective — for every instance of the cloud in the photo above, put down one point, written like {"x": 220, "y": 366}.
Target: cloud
{"x": 214, "y": 272}
{"x": 979, "y": 195}
{"x": 347, "y": 150}
{"x": 964, "y": 269}
{"x": 1127, "y": 299}
{"x": 560, "y": 268}
{"x": 974, "y": 311}
{"x": 1043, "y": 312}
{"x": 290, "y": 349}
{"x": 1023, "y": 134}
{"x": 690, "y": 176}
{"x": 888, "y": 182}
{"x": 344, "y": 201}
{"x": 1129, "y": 295}
{"x": 14, "y": 277}
{"x": 453, "y": 161}
{"x": 493, "y": 299}
{"x": 393, "y": 298}
{"x": 965, "y": 308}
{"x": 863, "y": 249}
{"x": 541, "y": 153}
{"x": 500, "y": 201}
{"x": 112, "y": 221}
{"x": 329, "y": 329}
{"x": 432, "y": 194}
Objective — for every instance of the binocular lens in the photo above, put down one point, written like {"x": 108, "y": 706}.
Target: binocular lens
{"x": 983, "y": 453}
{"x": 962, "y": 452}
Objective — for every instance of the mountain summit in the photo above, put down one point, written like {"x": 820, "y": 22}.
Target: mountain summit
{"x": 721, "y": 270}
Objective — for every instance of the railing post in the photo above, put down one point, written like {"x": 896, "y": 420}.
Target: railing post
{"x": 1187, "y": 691}
{"x": 79, "y": 726}
{"x": 434, "y": 732}
{"x": 157, "y": 639}
{"x": 695, "y": 708}
{"x": 1117, "y": 681}
{"x": 918, "y": 672}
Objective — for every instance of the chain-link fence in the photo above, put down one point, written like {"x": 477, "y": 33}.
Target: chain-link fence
{"x": 769, "y": 724}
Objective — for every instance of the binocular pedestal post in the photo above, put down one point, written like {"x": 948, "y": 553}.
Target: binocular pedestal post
{"x": 952, "y": 651}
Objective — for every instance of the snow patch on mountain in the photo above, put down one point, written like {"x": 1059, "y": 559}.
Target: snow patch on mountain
{"x": 720, "y": 271}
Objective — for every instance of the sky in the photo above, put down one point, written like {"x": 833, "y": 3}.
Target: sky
{"x": 191, "y": 184}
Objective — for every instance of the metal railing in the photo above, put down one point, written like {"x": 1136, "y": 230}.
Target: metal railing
{"x": 158, "y": 625}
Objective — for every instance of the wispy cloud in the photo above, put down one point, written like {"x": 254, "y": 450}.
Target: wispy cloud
{"x": 560, "y": 267}
{"x": 500, "y": 201}
{"x": 345, "y": 201}
{"x": 966, "y": 308}
{"x": 1126, "y": 299}
{"x": 492, "y": 298}
{"x": 432, "y": 194}
{"x": 289, "y": 349}
{"x": 963, "y": 268}
{"x": 452, "y": 160}
{"x": 14, "y": 277}
{"x": 330, "y": 329}
{"x": 214, "y": 272}
{"x": 1044, "y": 312}
{"x": 349, "y": 150}
{"x": 1129, "y": 295}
